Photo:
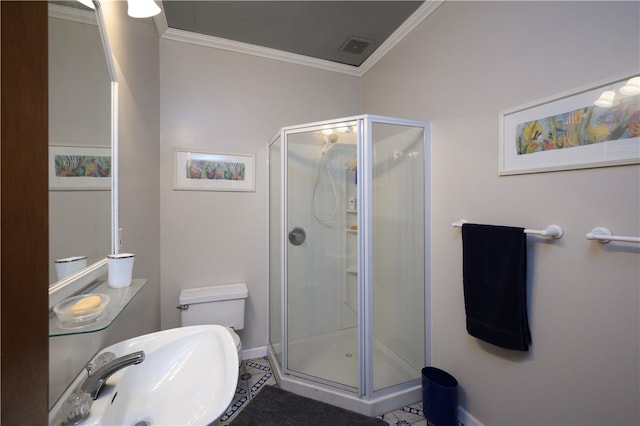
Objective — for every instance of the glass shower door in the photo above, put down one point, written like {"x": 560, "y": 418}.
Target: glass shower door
{"x": 398, "y": 191}
{"x": 321, "y": 251}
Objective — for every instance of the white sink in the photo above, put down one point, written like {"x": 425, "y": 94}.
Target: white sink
{"x": 188, "y": 377}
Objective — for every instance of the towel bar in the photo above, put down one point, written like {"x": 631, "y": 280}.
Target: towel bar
{"x": 604, "y": 235}
{"x": 551, "y": 231}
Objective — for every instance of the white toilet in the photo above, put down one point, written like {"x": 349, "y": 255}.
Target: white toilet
{"x": 217, "y": 304}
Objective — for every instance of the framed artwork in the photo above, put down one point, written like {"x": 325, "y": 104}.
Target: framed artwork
{"x": 596, "y": 126}
{"x": 206, "y": 171}
{"x": 76, "y": 168}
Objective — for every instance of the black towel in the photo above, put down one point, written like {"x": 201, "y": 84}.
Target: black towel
{"x": 494, "y": 271}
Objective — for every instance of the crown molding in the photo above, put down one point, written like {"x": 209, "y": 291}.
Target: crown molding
{"x": 160, "y": 20}
{"x": 250, "y": 49}
{"x": 420, "y": 14}
{"x": 416, "y": 18}
{"x": 72, "y": 14}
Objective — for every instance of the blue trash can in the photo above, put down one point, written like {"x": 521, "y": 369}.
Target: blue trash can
{"x": 439, "y": 397}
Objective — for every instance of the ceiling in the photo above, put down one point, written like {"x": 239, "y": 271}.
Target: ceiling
{"x": 342, "y": 32}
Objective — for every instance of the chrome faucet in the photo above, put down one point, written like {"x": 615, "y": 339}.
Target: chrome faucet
{"x": 96, "y": 379}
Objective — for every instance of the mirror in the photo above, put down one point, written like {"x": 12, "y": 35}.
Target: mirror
{"x": 81, "y": 141}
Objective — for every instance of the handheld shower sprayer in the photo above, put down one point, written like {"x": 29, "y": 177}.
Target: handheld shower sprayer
{"x": 329, "y": 140}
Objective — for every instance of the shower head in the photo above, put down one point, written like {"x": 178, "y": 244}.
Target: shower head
{"x": 329, "y": 140}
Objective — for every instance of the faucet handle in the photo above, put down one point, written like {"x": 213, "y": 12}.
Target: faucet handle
{"x": 76, "y": 408}
{"x": 99, "y": 361}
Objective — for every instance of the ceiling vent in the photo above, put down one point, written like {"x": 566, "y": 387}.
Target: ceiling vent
{"x": 355, "y": 45}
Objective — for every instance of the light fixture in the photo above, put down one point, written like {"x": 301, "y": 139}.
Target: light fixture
{"x": 142, "y": 8}
{"x": 632, "y": 87}
{"x": 88, "y": 3}
{"x": 606, "y": 99}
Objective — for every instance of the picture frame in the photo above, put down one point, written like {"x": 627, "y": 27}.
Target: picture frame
{"x": 210, "y": 171}
{"x": 569, "y": 131}
{"x": 78, "y": 168}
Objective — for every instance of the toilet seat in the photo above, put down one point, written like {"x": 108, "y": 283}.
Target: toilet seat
{"x": 236, "y": 340}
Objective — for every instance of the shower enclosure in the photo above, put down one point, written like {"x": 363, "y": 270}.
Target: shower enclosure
{"x": 349, "y": 261}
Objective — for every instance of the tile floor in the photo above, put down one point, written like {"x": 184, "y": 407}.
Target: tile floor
{"x": 257, "y": 373}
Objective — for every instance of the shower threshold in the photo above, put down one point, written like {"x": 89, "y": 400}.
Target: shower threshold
{"x": 333, "y": 357}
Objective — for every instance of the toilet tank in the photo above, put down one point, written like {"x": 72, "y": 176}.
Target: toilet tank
{"x": 217, "y": 304}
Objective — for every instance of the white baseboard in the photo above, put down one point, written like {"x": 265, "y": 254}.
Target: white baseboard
{"x": 254, "y": 352}
{"x": 466, "y": 419}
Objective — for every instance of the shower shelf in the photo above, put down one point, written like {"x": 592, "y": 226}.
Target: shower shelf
{"x": 352, "y": 271}
{"x": 352, "y": 231}
{"x": 350, "y": 211}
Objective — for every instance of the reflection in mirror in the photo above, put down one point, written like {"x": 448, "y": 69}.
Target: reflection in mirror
{"x": 79, "y": 140}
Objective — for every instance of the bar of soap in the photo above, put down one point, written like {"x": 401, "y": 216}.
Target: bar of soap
{"x": 85, "y": 304}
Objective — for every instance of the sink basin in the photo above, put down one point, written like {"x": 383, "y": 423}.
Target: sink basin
{"x": 188, "y": 377}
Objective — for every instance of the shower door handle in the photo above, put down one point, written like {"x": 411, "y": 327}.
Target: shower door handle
{"x": 297, "y": 236}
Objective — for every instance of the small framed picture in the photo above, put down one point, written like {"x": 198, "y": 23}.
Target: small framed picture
{"x": 207, "y": 171}
{"x": 76, "y": 168}
{"x": 595, "y": 126}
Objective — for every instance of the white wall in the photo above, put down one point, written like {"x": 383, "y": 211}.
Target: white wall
{"x": 218, "y": 101}
{"x": 458, "y": 69}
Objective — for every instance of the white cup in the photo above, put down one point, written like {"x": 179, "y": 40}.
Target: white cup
{"x": 69, "y": 265}
{"x": 120, "y": 269}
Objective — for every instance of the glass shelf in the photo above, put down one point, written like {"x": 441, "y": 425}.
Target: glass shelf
{"x": 120, "y": 298}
